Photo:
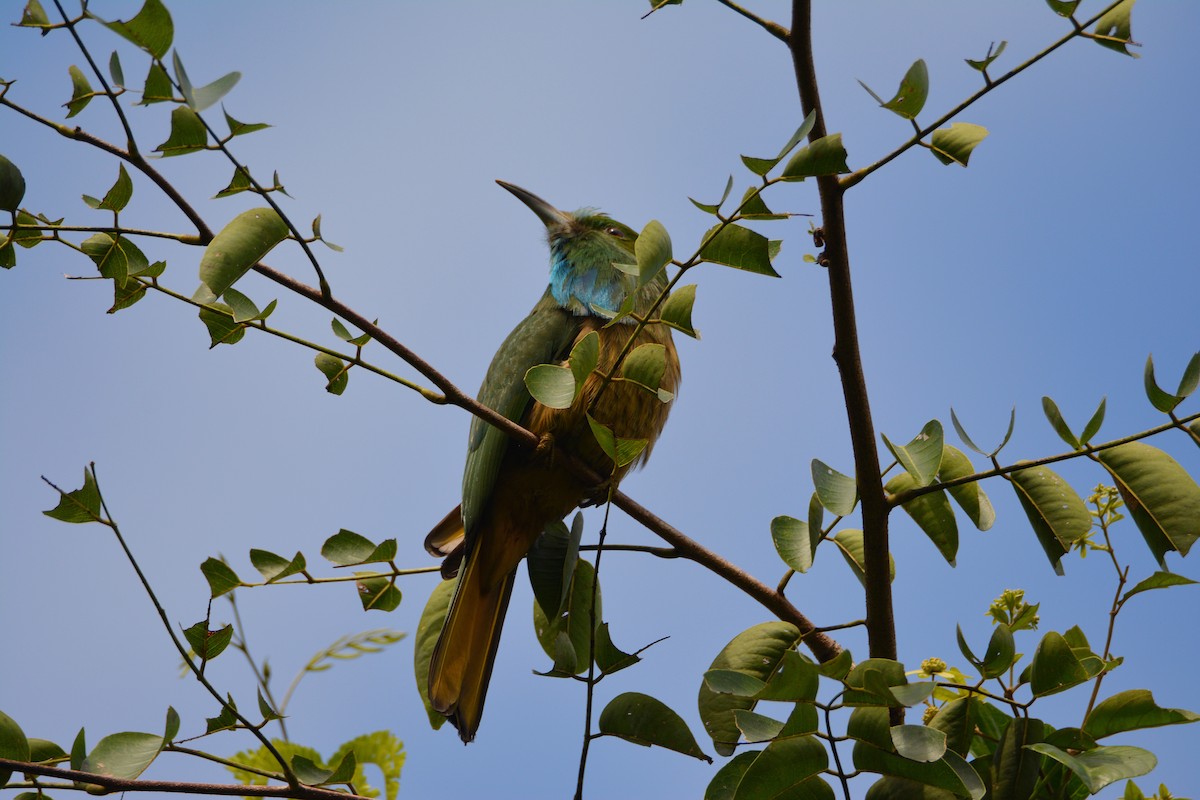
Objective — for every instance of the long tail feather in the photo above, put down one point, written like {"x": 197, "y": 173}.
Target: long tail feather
{"x": 462, "y": 660}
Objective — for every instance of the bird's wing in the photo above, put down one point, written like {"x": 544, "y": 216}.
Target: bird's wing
{"x": 545, "y": 336}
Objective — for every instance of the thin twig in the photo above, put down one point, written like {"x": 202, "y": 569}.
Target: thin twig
{"x": 857, "y": 176}
{"x": 1088, "y": 449}
{"x": 774, "y": 28}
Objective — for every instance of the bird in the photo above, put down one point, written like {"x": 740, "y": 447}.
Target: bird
{"x": 511, "y": 492}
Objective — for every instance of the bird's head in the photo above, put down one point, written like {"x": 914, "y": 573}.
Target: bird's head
{"x": 584, "y": 246}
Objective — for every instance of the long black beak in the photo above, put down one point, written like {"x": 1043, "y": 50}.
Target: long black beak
{"x": 548, "y": 214}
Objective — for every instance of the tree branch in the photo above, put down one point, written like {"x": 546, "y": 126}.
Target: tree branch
{"x": 300, "y": 792}
{"x": 881, "y": 627}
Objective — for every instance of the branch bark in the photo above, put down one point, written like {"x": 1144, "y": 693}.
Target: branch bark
{"x": 881, "y": 628}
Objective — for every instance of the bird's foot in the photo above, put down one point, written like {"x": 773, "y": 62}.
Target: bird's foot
{"x": 545, "y": 446}
{"x": 598, "y": 495}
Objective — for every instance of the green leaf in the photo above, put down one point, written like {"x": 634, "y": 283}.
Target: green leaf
{"x": 1015, "y": 767}
{"x": 824, "y": 156}
{"x": 643, "y": 720}
{"x": 676, "y": 311}
{"x": 188, "y": 134}
{"x": 1133, "y": 710}
{"x": 756, "y": 652}
{"x": 585, "y": 355}
{"x": 962, "y": 434}
{"x": 220, "y": 576}
{"x": 645, "y": 366}
{"x": 218, "y": 318}
{"x": 123, "y": 755}
{"x": 114, "y": 70}
{"x": 850, "y": 544}
{"x": 1159, "y": 580}
{"x": 932, "y": 513}
{"x": 13, "y": 744}
{"x": 81, "y": 92}
{"x": 1102, "y": 766}
{"x": 382, "y": 749}
{"x": 757, "y": 728}
{"x": 724, "y": 784}
{"x": 653, "y": 250}
{"x": 754, "y": 207}
{"x": 1093, "y": 425}
{"x": 208, "y": 644}
{"x": 1162, "y": 400}
{"x": 738, "y": 247}
{"x": 308, "y": 773}
{"x": 274, "y": 567}
{"x": 794, "y": 541}
{"x": 761, "y": 166}
{"x": 1161, "y": 497}
{"x": 349, "y": 549}
{"x": 918, "y": 742}
{"x": 874, "y": 752}
{"x": 985, "y": 62}
{"x": 1056, "y": 513}
{"x": 730, "y": 681}
{"x": 12, "y": 185}
{"x": 115, "y": 258}
{"x": 1050, "y": 409}
{"x": 210, "y": 94}
{"x": 158, "y": 87}
{"x": 118, "y": 195}
{"x": 428, "y": 630}
{"x": 953, "y": 145}
{"x": 621, "y": 451}
{"x": 713, "y": 208}
{"x": 1115, "y": 26}
{"x": 551, "y": 385}
{"x": 551, "y": 565}
{"x": 923, "y": 455}
{"x": 1064, "y": 8}
{"x": 969, "y": 496}
{"x": 240, "y": 182}
{"x": 34, "y": 16}
{"x": 1001, "y": 653}
{"x": 914, "y": 90}
{"x": 837, "y": 492}
{"x": 378, "y": 593}
{"x": 336, "y": 372}
{"x": 788, "y": 768}
{"x": 225, "y": 720}
{"x": 42, "y": 751}
{"x": 1055, "y": 666}
{"x": 151, "y": 29}
{"x": 870, "y": 683}
{"x": 237, "y": 128}
{"x": 573, "y": 622}
{"x": 957, "y": 720}
{"x": 78, "y": 750}
{"x": 239, "y": 246}
{"x": 609, "y": 657}
{"x": 81, "y": 505}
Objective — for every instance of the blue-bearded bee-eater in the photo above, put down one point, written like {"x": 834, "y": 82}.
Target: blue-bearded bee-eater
{"x": 510, "y": 493}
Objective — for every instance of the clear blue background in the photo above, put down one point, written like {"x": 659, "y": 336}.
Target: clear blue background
{"x": 1053, "y": 265}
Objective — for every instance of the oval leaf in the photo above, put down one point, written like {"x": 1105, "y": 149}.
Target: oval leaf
{"x": 123, "y": 755}
{"x": 932, "y": 513}
{"x": 428, "y": 631}
{"x": 969, "y": 496}
{"x": 837, "y": 492}
{"x": 551, "y": 385}
{"x": 757, "y": 652}
{"x": 239, "y": 246}
{"x": 953, "y": 145}
{"x": 1056, "y": 513}
{"x": 1130, "y": 711}
{"x": 738, "y": 247}
{"x": 641, "y": 719}
{"x": 793, "y": 542}
{"x": 914, "y": 90}
{"x": 1162, "y": 498}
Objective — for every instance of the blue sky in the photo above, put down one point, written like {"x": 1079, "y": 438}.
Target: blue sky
{"x": 1053, "y": 265}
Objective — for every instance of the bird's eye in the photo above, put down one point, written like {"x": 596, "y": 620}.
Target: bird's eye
{"x": 612, "y": 230}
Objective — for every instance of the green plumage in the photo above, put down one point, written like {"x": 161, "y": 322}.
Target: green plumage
{"x": 511, "y": 493}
